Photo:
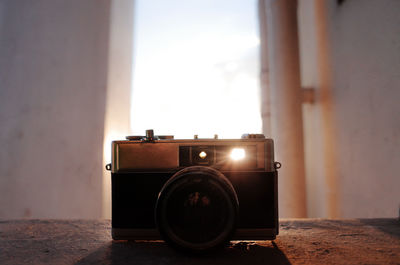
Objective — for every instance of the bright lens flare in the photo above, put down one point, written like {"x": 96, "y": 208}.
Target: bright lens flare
{"x": 238, "y": 153}
{"x": 202, "y": 154}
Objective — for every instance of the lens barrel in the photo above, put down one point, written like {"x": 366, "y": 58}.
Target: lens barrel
{"x": 197, "y": 209}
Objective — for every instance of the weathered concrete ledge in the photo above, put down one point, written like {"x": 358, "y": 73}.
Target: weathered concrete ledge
{"x": 301, "y": 241}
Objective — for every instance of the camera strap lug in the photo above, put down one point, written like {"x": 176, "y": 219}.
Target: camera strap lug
{"x": 108, "y": 167}
{"x": 277, "y": 165}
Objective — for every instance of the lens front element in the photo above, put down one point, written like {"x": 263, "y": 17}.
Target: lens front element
{"x": 197, "y": 209}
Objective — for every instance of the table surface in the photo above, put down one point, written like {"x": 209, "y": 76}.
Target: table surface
{"x": 301, "y": 241}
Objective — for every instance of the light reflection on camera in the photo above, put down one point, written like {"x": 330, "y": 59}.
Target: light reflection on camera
{"x": 237, "y": 154}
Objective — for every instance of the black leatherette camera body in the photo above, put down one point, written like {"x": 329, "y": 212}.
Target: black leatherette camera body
{"x": 141, "y": 167}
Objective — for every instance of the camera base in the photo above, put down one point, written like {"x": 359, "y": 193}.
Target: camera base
{"x": 153, "y": 234}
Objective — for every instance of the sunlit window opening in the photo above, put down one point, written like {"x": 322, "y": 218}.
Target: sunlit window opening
{"x": 196, "y": 68}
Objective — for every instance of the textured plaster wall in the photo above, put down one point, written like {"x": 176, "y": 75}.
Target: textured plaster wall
{"x": 366, "y": 79}
{"x": 350, "y": 53}
{"x": 53, "y": 79}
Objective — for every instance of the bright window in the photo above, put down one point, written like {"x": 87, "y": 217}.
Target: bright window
{"x": 196, "y": 68}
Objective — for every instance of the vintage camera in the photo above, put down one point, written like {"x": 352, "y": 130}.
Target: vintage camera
{"x": 196, "y": 194}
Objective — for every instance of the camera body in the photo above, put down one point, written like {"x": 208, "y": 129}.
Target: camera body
{"x": 174, "y": 189}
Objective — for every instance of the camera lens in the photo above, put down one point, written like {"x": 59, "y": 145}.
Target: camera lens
{"x": 197, "y": 209}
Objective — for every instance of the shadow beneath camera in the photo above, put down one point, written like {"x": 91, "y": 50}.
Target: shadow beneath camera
{"x": 122, "y": 252}
{"x": 390, "y": 226}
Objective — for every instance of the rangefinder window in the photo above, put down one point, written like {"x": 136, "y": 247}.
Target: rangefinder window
{"x": 203, "y": 155}
{"x": 237, "y": 157}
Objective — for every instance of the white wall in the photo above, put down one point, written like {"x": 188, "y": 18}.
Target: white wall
{"x": 54, "y": 74}
{"x": 366, "y": 80}
{"x": 53, "y": 80}
{"x": 119, "y": 84}
{"x": 351, "y": 54}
